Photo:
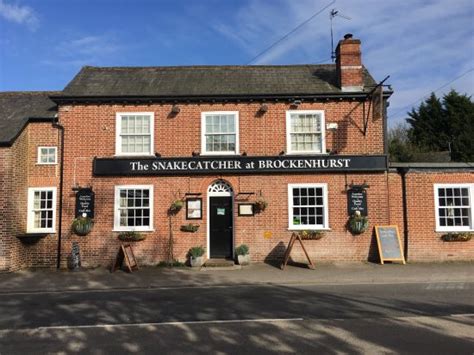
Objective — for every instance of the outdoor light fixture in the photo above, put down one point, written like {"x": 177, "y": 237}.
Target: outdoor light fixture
{"x": 244, "y": 154}
{"x": 175, "y": 109}
{"x": 282, "y": 152}
{"x": 158, "y": 155}
{"x": 263, "y": 108}
{"x": 195, "y": 154}
{"x": 296, "y": 103}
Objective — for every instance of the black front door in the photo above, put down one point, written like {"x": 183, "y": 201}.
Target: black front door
{"x": 220, "y": 227}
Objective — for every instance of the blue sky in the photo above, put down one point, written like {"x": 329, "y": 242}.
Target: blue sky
{"x": 422, "y": 45}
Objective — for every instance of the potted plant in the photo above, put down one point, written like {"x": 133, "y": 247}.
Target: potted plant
{"x": 192, "y": 228}
{"x": 196, "y": 258}
{"x": 260, "y": 205}
{"x": 358, "y": 224}
{"x": 457, "y": 237}
{"x": 82, "y": 225}
{"x": 176, "y": 206}
{"x": 243, "y": 256}
{"x": 311, "y": 234}
{"x": 131, "y": 236}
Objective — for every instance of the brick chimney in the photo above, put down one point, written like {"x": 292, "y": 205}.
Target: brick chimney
{"x": 349, "y": 64}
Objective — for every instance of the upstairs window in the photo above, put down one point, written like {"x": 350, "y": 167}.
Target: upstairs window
{"x": 133, "y": 208}
{"x": 305, "y": 132}
{"x": 41, "y": 209}
{"x": 220, "y": 133}
{"x": 134, "y": 134}
{"x": 454, "y": 207}
{"x": 47, "y": 155}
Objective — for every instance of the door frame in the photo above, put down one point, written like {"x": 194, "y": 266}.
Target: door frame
{"x": 208, "y": 219}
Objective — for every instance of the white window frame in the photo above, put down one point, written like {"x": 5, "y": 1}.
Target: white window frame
{"x": 203, "y": 132}
{"x": 117, "y": 226}
{"x": 55, "y": 155}
{"x": 440, "y": 228}
{"x": 31, "y": 216}
{"x": 118, "y": 136}
{"x": 288, "y": 132}
{"x": 325, "y": 225}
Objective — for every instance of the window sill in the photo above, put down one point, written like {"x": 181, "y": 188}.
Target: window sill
{"x": 133, "y": 230}
{"x": 306, "y": 153}
{"x": 138, "y": 155}
{"x": 457, "y": 230}
{"x": 46, "y": 164}
{"x": 294, "y": 229}
{"x": 219, "y": 154}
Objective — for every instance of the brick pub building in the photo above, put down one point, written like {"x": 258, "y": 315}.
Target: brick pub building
{"x": 218, "y": 138}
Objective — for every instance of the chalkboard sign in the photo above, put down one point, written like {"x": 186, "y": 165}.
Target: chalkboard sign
{"x": 75, "y": 256}
{"x": 357, "y": 201}
{"x": 125, "y": 257}
{"x": 389, "y": 244}
{"x": 85, "y": 203}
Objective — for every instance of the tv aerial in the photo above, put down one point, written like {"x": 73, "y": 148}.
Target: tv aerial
{"x": 332, "y": 14}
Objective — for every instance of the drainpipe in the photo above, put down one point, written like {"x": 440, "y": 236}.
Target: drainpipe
{"x": 403, "y": 171}
{"x": 61, "y": 179}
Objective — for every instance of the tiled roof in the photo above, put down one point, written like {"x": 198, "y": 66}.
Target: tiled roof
{"x": 16, "y": 108}
{"x": 206, "y": 81}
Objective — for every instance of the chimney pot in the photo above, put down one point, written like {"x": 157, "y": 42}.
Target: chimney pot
{"x": 348, "y": 36}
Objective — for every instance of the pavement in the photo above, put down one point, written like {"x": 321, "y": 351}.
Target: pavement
{"x": 46, "y": 280}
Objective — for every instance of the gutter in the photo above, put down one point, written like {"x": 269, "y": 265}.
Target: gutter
{"x": 63, "y": 99}
{"x": 61, "y": 183}
{"x": 403, "y": 171}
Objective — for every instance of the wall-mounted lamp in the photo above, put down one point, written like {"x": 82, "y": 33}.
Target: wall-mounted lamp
{"x": 195, "y": 154}
{"x": 244, "y": 154}
{"x": 282, "y": 152}
{"x": 263, "y": 108}
{"x": 331, "y": 126}
{"x": 175, "y": 109}
{"x": 158, "y": 155}
{"x": 296, "y": 103}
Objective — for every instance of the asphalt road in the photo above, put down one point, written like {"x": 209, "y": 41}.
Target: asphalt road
{"x": 431, "y": 318}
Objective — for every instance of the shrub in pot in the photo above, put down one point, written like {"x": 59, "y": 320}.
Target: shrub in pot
{"x": 82, "y": 225}
{"x": 196, "y": 256}
{"x": 358, "y": 224}
{"x": 176, "y": 206}
{"x": 242, "y": 253}
{"x": 131, "y": 236}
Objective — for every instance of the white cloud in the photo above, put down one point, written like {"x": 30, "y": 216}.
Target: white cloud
{"x": 84, "y": 50}
{"x": 23, "y": 15}
{"x": 421, "y": 44}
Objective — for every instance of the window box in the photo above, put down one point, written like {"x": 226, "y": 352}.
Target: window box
{"x": 31, "y": 238}
{"x": 131, "y": 236}
{"x": 457, "y": 237}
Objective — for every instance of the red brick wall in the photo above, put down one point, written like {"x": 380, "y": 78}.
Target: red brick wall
{"x": 424, "y": 243}
{"x": 90, "y": 131}
{"x": 22, "y": 172}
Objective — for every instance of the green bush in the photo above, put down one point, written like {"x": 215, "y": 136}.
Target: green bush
{"x": 196, "y": 252}
{"x": 131, "y": 236}
{"x": 242, "y": 250}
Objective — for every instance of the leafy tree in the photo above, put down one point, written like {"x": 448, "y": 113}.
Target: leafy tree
{"x": 443, "y": 125}
{"x": 399, "y": 146}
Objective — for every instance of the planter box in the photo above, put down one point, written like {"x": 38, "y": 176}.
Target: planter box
{"x": 243, "y": 259}
{"x": 196, "y": 262}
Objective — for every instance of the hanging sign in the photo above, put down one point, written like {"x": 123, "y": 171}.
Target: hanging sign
{"x": 85, "y": 202}
{"x": 357, "y": 201}
{"x": 237, "y": 165}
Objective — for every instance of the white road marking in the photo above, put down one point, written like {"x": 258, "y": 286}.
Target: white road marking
{"x": 108, "y": 326}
